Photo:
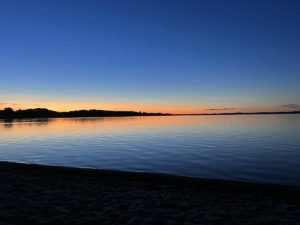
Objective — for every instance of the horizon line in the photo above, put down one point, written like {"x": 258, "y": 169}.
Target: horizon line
{"x": 153, "y": 113}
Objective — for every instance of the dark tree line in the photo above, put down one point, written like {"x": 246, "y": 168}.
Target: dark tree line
{"x": 9, "y": 113}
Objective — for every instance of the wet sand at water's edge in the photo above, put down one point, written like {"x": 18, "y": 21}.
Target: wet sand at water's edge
{"x": 34, "y": 194}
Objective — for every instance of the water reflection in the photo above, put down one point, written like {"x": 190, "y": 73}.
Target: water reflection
{"x": 129, "y": 123}
{"x": 255, "y": 147}
{"x": 9, "y": 123}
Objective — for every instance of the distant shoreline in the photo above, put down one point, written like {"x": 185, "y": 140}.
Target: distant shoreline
{"x": 39, "y": 113}
{"x": 236, "y": 113}
{"x": 9, "y": 113}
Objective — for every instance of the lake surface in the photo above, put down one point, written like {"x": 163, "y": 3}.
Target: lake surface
{"x": 261, "y": 148}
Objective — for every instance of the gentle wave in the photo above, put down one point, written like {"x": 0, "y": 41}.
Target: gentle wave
{"x": 261, "y": 148}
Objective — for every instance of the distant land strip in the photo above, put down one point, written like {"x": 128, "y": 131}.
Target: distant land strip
{"x": 236, "y": 113}
{"x": 9, "y": 113}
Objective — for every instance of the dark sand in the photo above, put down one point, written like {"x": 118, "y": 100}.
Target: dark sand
{"x": 31, "y": 194}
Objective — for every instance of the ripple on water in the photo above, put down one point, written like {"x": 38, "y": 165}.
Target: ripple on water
{"x": 263, "y": 148}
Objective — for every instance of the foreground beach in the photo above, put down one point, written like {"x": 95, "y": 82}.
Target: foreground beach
{"x": 34, "y": 194}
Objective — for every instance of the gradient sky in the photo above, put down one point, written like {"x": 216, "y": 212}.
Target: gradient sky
{"x": 154, "y": 55}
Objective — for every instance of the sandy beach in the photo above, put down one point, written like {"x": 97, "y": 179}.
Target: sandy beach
{"x": 34, "y": 194}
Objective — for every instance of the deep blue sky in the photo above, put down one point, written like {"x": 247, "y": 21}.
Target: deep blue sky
{"x": 150, "y": 55}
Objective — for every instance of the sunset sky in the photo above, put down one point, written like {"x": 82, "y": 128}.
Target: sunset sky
{"x": 150, "y": 55}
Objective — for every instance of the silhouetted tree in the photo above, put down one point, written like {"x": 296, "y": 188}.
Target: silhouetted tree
{"x": 7, "y": 113}
{"x": 8, "y": 110}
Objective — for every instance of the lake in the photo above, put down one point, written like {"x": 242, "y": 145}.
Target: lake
{"x": 259, "y": 148}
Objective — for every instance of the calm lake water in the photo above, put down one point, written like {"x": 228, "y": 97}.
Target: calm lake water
{"x": 262, "y": 148}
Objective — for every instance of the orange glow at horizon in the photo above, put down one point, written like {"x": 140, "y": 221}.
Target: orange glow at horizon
{"x": 114, "y": 107}
{"x": 208, "y": 106}
{"x": 174, "y": 109}
{"x": 63, "y": 126}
